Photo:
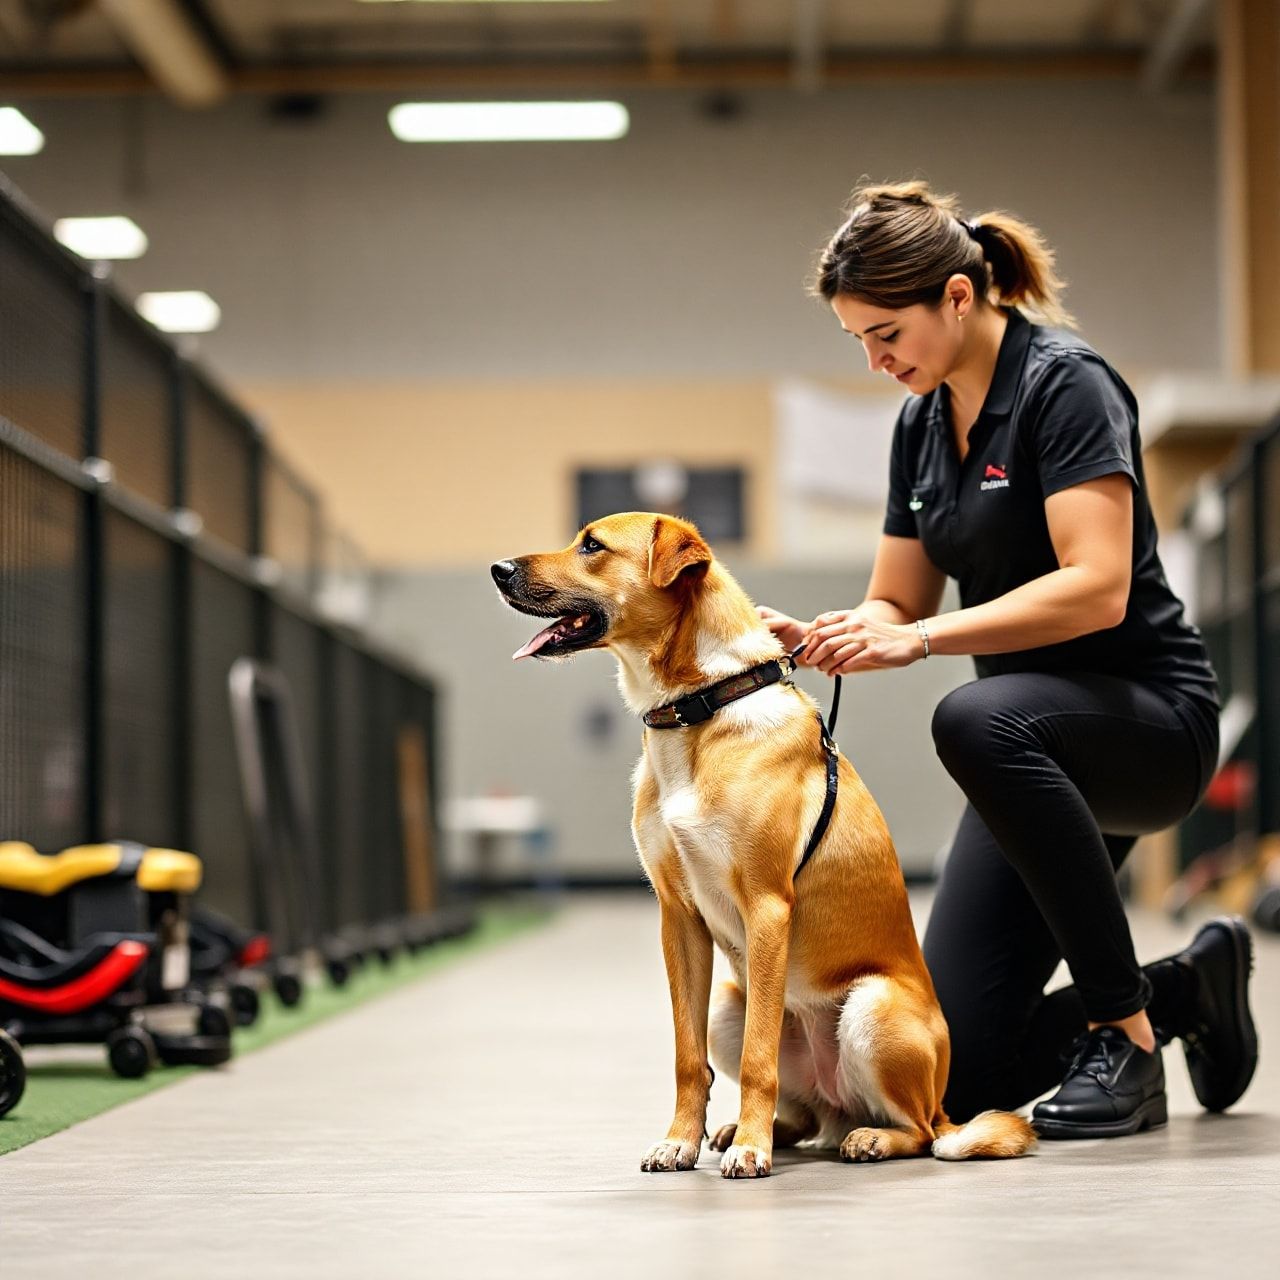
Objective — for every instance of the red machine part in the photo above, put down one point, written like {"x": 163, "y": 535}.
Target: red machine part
{"x": 124, "y": 960}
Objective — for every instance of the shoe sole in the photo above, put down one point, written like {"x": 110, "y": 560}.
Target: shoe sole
{"x": 1242, "y": 947}
{"x": 1152, "y": 1114}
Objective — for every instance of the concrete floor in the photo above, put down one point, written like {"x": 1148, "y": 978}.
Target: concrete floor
{"x": 490, "y": 1120}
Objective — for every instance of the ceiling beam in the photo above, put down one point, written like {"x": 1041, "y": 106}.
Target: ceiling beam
{"x": 808, "y": 43}
{"x": 1173, "y": 45}
{"x": 171, "y": 47}
{"x": 690, "y": 73}
{"x": 1100, "y": 22}
{"x": 725, "y": 19}
{"x": 660, "y": 40}
{"x": 955, "y": 24}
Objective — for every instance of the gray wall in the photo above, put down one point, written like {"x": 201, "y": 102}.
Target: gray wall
{"x": 525, "y": 728}
{"x": 338, "y": 252}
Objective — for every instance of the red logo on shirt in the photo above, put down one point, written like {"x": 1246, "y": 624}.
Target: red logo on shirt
{"x": 995, "y": 478}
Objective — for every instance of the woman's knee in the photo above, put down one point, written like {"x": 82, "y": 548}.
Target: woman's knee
{"x": 960, "y": 721}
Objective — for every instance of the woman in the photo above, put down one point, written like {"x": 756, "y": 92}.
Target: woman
{"x": 1016, "y": 469}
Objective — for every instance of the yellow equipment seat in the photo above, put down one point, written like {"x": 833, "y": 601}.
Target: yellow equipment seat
{"x": 170, "y": 871}
{"x": 161, "y": 870}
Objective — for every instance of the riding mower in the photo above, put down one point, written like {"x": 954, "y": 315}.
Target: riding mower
{"x": 95, "y": 949}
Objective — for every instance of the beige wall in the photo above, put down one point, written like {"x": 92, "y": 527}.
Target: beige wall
{"x": 451, "y": 474}
{"x": 436, "y": 336}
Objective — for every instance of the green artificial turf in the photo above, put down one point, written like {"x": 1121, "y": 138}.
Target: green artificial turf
{"x": 60, "y": 1094}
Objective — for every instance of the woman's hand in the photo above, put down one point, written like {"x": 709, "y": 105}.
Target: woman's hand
{"x": 845, "y": 642}
{"x": 789, "y": 630}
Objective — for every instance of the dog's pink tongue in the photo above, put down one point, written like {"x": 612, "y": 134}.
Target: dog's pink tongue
{"x": 535, "y": 644}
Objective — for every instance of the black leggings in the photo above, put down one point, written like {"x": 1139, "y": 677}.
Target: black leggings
{"x": 1062, "y": 773}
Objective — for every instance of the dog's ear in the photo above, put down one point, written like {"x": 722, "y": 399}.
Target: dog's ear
{"x": 676, "y": 546}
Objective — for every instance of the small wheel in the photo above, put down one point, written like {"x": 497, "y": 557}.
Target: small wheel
{"x": 131, "y": 1052}
{"x": 194, "y": 1051}
{"x": 245, "y": 1003}
{"x": 1266, "y": 911}
{"x": 13, "y": 1073}
{"x": 288, "y": 989}
{"x": 214, "y": 1021}
{"x": 387, "y": 954}
{"x": 339, "y": 971}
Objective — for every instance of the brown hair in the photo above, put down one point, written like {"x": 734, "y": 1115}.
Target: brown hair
{"x": 901, "y": 243}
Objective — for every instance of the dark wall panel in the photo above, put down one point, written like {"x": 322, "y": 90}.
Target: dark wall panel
{"x": 222, "y": 617}
{"x": 139, "y": 744}
{"x": 42, "y": 657}
{"x": 136, "y": 416}
{"x": 43, "y": 322}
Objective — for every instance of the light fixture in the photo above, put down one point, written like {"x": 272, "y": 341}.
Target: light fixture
{"x": 101, "y": 238}
{"x": 18, "y": 136}
{"x": 477, "y": 1}
{"x": 180, "y": 311}
{"x": 509, "y": 121}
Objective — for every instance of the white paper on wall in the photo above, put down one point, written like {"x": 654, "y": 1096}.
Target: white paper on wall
{"x": 832, "y": 444}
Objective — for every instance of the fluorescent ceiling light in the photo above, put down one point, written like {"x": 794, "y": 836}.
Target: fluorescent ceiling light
{"x": 99, "y": 238}
{"x": 18, "y": 136}
{"x": 508, "y": 121}
{"x": 183, "y": 311}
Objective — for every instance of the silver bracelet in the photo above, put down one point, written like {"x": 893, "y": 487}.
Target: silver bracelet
{"x": 924, "y": 635}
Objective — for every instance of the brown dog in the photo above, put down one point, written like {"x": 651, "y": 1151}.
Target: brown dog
{"x": 832, "y": 1027}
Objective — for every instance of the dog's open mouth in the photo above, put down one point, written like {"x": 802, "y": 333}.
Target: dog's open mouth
{"x": 573, "y": 631}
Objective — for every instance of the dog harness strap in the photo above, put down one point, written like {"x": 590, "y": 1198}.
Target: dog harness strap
{"x": 829, "y": 800}
{"x": 702, "y": 705}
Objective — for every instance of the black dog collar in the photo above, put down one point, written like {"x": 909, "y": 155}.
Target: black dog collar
{"x": 700, "y": 706}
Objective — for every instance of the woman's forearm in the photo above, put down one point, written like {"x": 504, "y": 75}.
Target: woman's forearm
{"x": 884, "y": 611}
{"x": 1061, "y": 605}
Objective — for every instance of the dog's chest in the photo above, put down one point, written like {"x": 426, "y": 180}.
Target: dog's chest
{"x": 704, "y": 841}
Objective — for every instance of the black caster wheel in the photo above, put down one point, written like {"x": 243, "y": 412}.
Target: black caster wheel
{"x": 214, "y": 1021}
{"x": 131, "y": 1052}
{"x": 194, "y": 1051}
{"x": 339, "y": 971}
{"x": 245, "y": 1004}
{"x": 288, "y": 989}
{"x": 1266, "y": 911}
{"x": 13, "y": 1073}
{"x": 386, "y": 954}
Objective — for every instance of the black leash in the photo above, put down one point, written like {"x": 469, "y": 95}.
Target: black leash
{"x": 833, "y": 770}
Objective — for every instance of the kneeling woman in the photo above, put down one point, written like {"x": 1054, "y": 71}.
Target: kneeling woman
{"x": 1016, "y": 469}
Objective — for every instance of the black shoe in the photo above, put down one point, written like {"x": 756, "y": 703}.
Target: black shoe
{"x": 1219, "y": 1038}
{"x": 1112, "y": 1088}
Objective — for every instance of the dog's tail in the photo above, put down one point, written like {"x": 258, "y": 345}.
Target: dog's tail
{"x": 992, "y": 1134}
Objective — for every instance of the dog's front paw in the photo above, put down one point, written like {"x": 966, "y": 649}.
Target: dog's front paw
{"x": 668, "y": 1155}
{"x": 864, "y": 1144}
{"x": 742, "y": 1161}
{"x": 723, "y": 1138}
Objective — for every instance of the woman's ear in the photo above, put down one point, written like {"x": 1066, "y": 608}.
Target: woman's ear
{"x": 676, "y": 546}
{"x": 960, "y": 293}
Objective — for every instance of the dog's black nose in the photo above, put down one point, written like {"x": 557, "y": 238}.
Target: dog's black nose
{"x": 504, "y": 571}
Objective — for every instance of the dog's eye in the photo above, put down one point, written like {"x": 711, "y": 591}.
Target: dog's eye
{"x": 589, "y": 546}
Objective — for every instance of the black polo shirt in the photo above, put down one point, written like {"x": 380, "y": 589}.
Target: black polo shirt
{"x": 1056, "y": 415}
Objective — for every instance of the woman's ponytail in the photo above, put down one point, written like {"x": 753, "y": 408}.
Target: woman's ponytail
{"x": 901, "y": 243}
{"x": 1021, "y": 266}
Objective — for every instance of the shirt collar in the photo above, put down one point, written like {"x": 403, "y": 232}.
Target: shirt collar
{"x": 1008, "y": 372}
{"x": 1013, "y": 355}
